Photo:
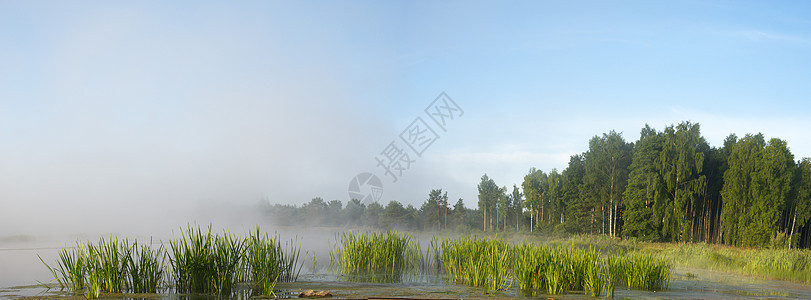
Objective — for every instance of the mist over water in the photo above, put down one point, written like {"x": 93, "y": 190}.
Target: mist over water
{"x": 138, "y": 119}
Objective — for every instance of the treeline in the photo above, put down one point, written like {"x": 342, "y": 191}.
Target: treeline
{"x": 668, "y": 186}
{"x": 434, "y": 214}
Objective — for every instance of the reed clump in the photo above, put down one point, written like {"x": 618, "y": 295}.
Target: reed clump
{"x": 374, "y": 256}
{"x": 110, "y": 266}
{"x": 203, "y": 262}
{"x": 199, "y": 262}
{"x": 551, "y": 269}
{"x": 640, "y": 270}
{"x": 478, "y": 262}
{"x": 144, "y": 266}
{"x": 558, "y": 269}
{"x": 268, "y": 262}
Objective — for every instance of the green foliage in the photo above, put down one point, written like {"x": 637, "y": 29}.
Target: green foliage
{"x": 534, "y": 188}
{"x": 606, "y": 176}
{"x": 802, "y": 200}
{"x": 644, "y": 190}
{"x": 488, "y": 200}
{"x": 756, "y": 189}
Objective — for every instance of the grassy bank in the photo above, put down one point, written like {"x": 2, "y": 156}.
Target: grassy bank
{"x": 780, "y": 264}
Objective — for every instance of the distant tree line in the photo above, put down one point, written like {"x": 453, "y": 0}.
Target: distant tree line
{"x": 668, "y": 186}
{"x": 434, "y": 214}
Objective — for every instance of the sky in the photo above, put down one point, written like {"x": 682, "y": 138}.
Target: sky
{"x": 156, "y": 113}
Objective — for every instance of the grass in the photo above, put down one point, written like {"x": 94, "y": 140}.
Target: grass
{"x": 386, "y": 257}
{"x": 781, "y": 264}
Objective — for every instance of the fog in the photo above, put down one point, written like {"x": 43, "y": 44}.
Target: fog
{"x": 138, "y": 118}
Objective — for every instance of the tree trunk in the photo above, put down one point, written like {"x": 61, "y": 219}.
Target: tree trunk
{"x": 611, "y": 203}
{"x": 497, "y": 215}
{"x": 793, "y": 222}
{"x": 484, "y": 219}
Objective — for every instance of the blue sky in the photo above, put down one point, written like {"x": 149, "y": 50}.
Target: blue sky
{"x": 166, "y": 108}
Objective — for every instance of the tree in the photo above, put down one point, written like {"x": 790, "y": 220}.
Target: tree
{"x": 436, "y": 208}
{"x": 372, "y": 215}
{"x": 756, "y": 188}
{"x": 607, "y": 163}
{"x": 459, "y": 213}
{"x": 771, "y": 185}
{"x": 555, "y": 197}
{"x": 533, "y": 191}
{"x": 578, "y": 210}
{"x": 681, "y": 165}
{"x": 315, "y": 210}
{"x": 394, "y": 216}
{"x": 502, "y": 206}
{"x": 802, "y": 198}
{"x": 335, "y": 212}
{"x": 354, "y": 211}
{"x": 488, "y": 193}
{"x": 644, "y": 189}
{"x": 517, "y": 205}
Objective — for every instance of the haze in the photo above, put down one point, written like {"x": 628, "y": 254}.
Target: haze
{"x": 138, "y": 117}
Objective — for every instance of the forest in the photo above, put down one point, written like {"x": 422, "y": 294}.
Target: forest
{"x": 668, "y": 186}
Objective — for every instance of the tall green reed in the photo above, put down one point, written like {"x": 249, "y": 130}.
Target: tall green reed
{"x": 639, "y": 270}
{"x": 373, "y": 256}
{"x": 268, "y": 262}
{"x": 478, "y": 262}
{"x": 145, "y": 267}
{"x": 71, "y": 268}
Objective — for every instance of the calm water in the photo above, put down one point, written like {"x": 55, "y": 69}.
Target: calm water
{"x": 21, "y": 271}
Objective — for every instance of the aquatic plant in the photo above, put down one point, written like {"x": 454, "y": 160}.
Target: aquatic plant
{"x": 192, "y": 266}
{"x": 384, "y": 256}
{"x": 478, "y": 262}
{"x": 70, "y": 270}
{"x": 145, "y": 267}
{"x": 558, "y": 269}
{"x": 640, "y": 270}
{"x": 106, "y": 263}
{"x": 199, "y": 262}
{"x": 268, "y": 263}
{"x": 206, "y": 263}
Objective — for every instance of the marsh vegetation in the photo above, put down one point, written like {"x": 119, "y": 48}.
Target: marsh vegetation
{"x": 198, "y": 262}
{"x": 202, "y": 262}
